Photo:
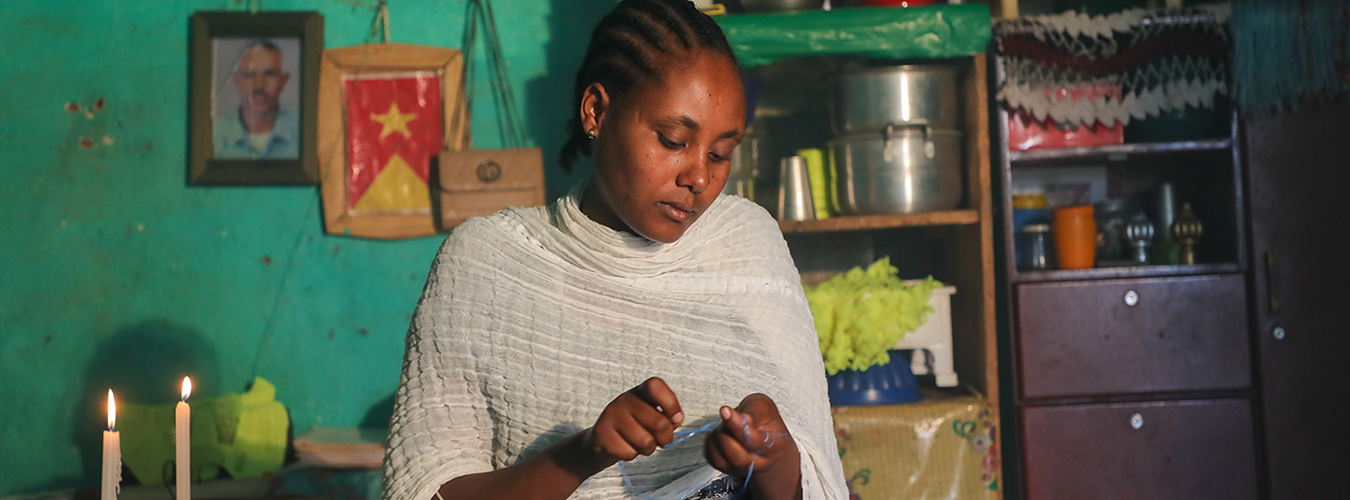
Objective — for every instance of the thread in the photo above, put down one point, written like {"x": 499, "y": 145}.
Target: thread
{"x": 682, "y": 436}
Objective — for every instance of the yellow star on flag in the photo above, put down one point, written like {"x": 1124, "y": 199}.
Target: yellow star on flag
{"x": 394, "y": 121}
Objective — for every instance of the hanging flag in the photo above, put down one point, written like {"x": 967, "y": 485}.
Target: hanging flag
{"x": 394, "y": 128}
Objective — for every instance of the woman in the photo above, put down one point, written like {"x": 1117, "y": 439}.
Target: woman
{"x": 553, "y": 343}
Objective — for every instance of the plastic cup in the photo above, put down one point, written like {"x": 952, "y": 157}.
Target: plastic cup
{"x": 1075, "y": 232}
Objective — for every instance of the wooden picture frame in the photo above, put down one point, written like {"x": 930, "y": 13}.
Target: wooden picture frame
{"x": 349, "y": 64}
{"x": 276, "y": 55}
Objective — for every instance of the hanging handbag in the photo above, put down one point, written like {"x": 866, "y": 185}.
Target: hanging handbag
{"x": 476, "y": 182}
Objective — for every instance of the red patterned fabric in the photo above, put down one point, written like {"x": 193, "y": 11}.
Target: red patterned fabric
{"x": 367, "y": 152}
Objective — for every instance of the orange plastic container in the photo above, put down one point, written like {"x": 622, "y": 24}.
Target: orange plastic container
{"x": 1075, "y": 234}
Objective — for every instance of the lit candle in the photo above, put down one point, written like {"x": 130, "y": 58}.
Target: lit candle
{"x": 183, "y": 443}
{"x": 112, "y": 454}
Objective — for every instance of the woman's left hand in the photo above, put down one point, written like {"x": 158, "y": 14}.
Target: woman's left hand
{"x": 754, "y": 433}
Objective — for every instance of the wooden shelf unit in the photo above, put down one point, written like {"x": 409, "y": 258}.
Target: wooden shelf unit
{"x": 955, "y": 246}
{"x": 867, "y": 222}
{"x": 1100, "y": 273}
{"x": 1076, "y": 341}
{"x": 1097, "y": 153}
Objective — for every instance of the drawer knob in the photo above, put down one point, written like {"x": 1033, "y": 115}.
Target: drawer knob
{"x": 1136, "y": 421}
{"x": 1131, "y": 298}
{"x": 1278, "y": 333}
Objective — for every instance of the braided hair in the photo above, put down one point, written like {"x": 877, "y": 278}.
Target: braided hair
{"x": 632, "y": 44}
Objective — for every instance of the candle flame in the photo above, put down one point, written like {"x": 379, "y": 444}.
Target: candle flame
{"x": 112, "y": 411}
{"x": 187, "y": 388}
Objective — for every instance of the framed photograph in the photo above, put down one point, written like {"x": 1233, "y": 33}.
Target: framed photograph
{"x": 255, "y": 80}
{"x": 385, "y": 114}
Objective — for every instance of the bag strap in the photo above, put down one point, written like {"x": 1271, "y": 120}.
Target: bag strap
{"x": 510, "y": 126}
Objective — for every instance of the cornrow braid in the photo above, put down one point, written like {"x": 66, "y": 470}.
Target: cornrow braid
{"x": 630, "y": 46}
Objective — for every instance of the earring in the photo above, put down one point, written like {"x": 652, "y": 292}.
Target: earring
{"x": 590, "y": 134}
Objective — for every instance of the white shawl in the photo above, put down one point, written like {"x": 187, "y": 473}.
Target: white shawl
{"x": 534, "y": 319}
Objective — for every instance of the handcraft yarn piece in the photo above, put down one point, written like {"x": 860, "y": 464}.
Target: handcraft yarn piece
{"x": 1162, "y": 60}
{"x": 534, "y": 319}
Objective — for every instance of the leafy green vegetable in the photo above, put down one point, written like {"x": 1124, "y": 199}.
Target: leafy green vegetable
{"x": 860, "y": 314}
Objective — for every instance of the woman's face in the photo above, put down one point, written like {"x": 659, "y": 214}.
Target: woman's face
{"x": 662, "y": 152}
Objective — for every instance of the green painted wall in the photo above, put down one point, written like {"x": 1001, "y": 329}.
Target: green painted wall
{"x": 113, "y": 273}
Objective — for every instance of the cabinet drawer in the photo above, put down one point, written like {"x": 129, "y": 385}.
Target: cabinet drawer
{"x": 1132, "y": 336}
{"x": 1180, "y": 450}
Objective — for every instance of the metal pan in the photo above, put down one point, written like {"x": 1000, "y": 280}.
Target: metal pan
{"x": 869, "y": 100}
{"x": 902, "y": 170}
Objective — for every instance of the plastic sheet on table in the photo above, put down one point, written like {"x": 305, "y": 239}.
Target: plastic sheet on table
{"x": 943, "y": 447}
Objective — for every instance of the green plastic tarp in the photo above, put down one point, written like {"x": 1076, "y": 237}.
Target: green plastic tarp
{"x": 930, "y": 32}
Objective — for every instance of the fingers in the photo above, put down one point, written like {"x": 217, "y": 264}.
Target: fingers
{"x": 741, "y": 427}
{"x": 764, "y": 417}
{"x": 656, "y": 425}
{"x": 637, "y": 437}
{"x": 759, "y": 405}
{"x": 639, "y": 421}
{"x": 655, "y": 392}
{"x": 716, "y": 456}
{"x": 747, "y": 439}
{"x": 609, "y": 441}
{"x": 664, "y": 413}
{"x": 726, "y": 453}
{"x": 625, "y": 436}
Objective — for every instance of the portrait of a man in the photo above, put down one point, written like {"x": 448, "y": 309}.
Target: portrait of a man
{"x": 255, "y": 112}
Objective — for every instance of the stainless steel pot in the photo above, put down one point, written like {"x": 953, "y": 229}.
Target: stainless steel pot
{"x": 741, "y": 176}
{"x": 902, "y": 170}
{"x": 868, "y": 100}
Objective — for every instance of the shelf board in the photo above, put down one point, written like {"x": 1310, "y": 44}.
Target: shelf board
{"x": 866, "y": 222}
{"x": 1124, "y": 272}
{"x": 1106, "y": 152}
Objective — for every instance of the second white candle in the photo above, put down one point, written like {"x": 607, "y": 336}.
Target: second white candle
{"x": 183, "y": 443}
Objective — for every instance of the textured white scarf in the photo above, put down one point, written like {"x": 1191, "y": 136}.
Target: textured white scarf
{"x": 534, "y": 319}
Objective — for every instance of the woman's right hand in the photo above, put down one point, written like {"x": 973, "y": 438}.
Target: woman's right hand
{"x": 635, "y": 423}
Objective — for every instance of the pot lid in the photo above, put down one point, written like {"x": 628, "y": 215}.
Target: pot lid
{"x": 903, "y": 68}
{"x": 899, "y": 133}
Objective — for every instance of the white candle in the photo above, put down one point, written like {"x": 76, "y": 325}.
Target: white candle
{"x": 112, "y": 454}
{"x": 183, "y": 443}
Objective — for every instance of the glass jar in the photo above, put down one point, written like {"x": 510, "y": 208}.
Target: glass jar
{"x": 1035, "y": 251}
{"x": 1112, "y": 216}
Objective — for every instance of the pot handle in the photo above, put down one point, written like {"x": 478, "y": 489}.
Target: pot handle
{"x": 929, "y": 149}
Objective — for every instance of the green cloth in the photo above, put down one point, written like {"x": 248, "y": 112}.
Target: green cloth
{"x": 245, "y": 434}
{"x": 930, "y": 32}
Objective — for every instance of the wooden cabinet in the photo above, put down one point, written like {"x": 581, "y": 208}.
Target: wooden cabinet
{"x": 1236, "y": 365}
{"x": 1298, "y": 174}
{"x": 1132, "y": 380}
{"x": 1181, "y": 450}
{"x": 1133, "y": 336}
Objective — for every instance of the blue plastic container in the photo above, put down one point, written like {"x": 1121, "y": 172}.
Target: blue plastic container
{"x": 890, "y": 384}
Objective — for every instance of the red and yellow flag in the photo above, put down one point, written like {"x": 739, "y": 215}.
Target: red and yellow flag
{"x": 394, "y": 128}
